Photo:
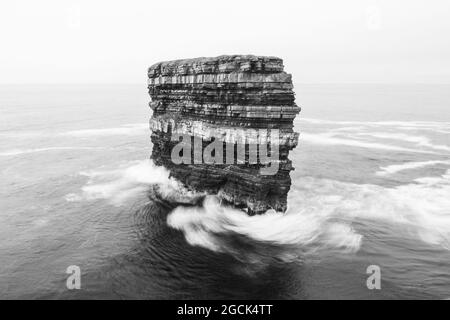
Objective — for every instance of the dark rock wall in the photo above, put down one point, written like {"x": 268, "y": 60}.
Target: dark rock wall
{"x": 237, "y": 100}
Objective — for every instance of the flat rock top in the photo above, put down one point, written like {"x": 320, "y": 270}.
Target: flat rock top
{"x": 220, "y": 64}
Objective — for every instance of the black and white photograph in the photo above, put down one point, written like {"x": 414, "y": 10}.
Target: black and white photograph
{"x": 225, "y": 156}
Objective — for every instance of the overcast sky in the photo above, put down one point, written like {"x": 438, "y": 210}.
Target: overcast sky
{"x": 321, "y": 41}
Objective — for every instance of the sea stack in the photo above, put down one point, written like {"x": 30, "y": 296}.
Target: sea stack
{"x": 224, "y": 126}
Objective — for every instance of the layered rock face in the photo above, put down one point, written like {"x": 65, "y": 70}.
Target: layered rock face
{"x": 224, "y": 125}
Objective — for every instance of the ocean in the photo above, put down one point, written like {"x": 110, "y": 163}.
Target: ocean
{"x": 371, "y": 187}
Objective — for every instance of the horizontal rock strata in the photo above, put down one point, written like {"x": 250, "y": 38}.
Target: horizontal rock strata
{"x": 247, "y": 87}
{"x": 243, "y": 102}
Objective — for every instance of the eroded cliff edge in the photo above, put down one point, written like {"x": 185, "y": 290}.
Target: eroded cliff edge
{"x": 245, "y": 103}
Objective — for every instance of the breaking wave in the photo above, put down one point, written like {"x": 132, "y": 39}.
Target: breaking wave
{"x": 421, "y": 207}
{"x": 16, "y": 152}
{"x": 329, "y": 139}
{"x": 303, "y": 232}
{"x": 128, "y": 129}
{"x": 408, "y": 124}
{"x": 120, "y": 184}
{"x": 128, "y": 181}
{"x": 395, "y": 168}
{"x": 322, "y": 214}
{"x": 132, "y": 129}
{"x": 420, "y": 141}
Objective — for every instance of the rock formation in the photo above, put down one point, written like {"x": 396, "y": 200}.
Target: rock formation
{"x": 243, "y": 105}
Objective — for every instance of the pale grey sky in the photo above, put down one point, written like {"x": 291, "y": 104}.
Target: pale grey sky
{"x": 78, "y": 41}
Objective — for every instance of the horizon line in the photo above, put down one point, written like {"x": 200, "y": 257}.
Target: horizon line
{"x": 300, "y": 83}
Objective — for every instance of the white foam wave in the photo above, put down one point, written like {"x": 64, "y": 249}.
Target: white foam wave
{"x": 126, "y": 130}
{"x": 420, "y": 141}
{"x": 422, "y": 207}
{"x": 329, "y": 139}
{"x": 308, "y": 231}
{"x": 15, "y": 152}
{"x": 131, "y": 179}
{"x": 120, "y": 184}
{"x": 346, "y": 129}
{"x": 392, "y": 169}
{"x": 416, "y": 124}
{"x": 132, "y": 129}
{"x": 321, "y": 214}
{"x": 23, "y": 134}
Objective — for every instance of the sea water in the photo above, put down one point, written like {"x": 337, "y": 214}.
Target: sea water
{"x": 371, "y": 187}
